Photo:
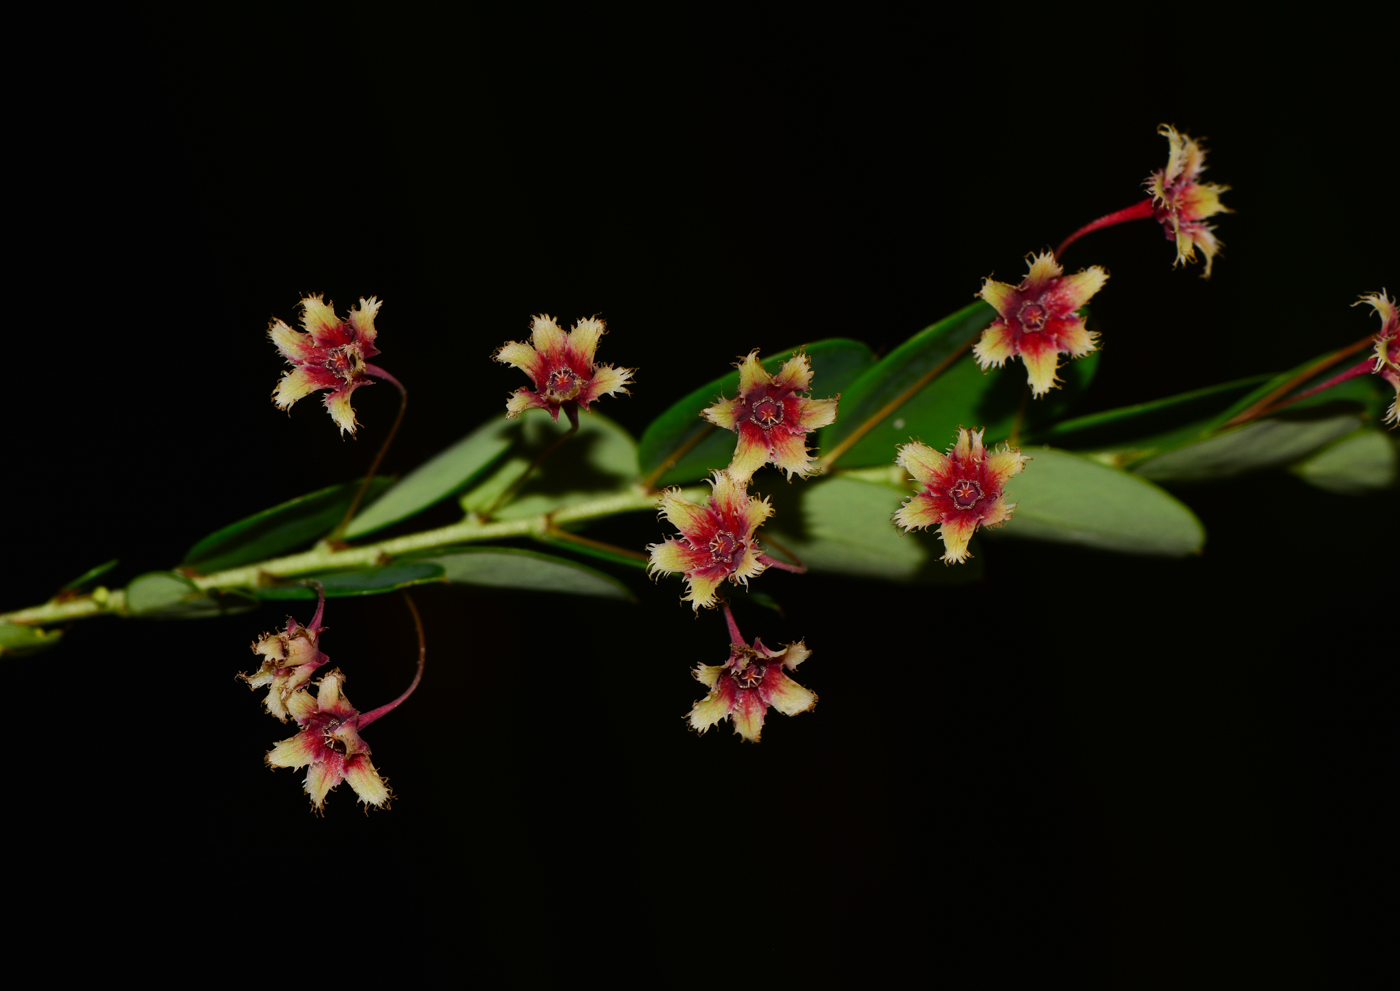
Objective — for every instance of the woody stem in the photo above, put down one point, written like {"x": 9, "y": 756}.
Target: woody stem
{"x": 379, "y": 373}
{"x": 830, "y": 457}
{"x": 1138, "y": 211}
{"x": 734, "y": 635}
{"x": 1266, "y": 403}
{"x": 570, "y": 409}
{"x": 573, "y": 538}
{"x": 387, "y": 708}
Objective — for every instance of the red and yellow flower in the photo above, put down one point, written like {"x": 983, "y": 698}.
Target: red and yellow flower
{"x": 717, "y": 539}
{"x": 749, "y": 682}
{"x": 771, "y": 418}
{"x": 1181, "y": 204}
{"x": 561, "y": 367}
{"x": 331, "y": 354}
{"x": 329, "y": 745}
{"x": 1038, "y": 320}
{"x": 1387, "y": 348}
{"x": 958, "y": 490}
{"x": 290, "y": 657}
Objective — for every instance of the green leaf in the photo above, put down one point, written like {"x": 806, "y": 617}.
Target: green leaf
{"x": 598, "y": 460}
{"x": 366, "y": 581}
{"x": 89, "y": 576}
{"x": 1358, "y": 464}
{"x": 18, "y": 640}
{"x": 588, "y": 550}
{"x": 1069, "y": 499}
{"x": 836, "y": 363}
{"x": 295, "y": 523}
{"x": 166, "y": 595}
{"x": 1271, "y": 442}
{"x": 1129, "y": 433}
{"x": 962, "y": 395}
{"x": 438, "y": 478}
{"x": 510, "y": 567}
{"x": 843, "y": 525}
{"x": 1368, "y": 390}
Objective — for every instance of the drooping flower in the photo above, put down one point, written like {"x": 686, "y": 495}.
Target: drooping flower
{"x": 1387, "y": 348}
{"x": 771, "y": 418}
{"x": 330, "y": 744}
{"x": 1038, "y": 320}
{"x": 561, "y": 367}
{"x": 958, "y": 490}
{"x": 1181, "y": 204}
{"x": 717, "y": 539}
{"x": 331, "y": 354}
{"x": 290, "y": 657}
{"x": 743, "y": 687}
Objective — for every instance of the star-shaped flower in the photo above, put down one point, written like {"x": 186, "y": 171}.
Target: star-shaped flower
{"x": 289, "y": 659}
{"x": 1038, "y": 320}
{"x": 332, "y": 354}
{"x": 1387, "y": 353}
{"x": 1180, "y": 203}
{"x": 771, "y": 418}
{"x": 959, "y": 489}
{"x": 330, "y": 743}
{"x": 717, "y": 539}
{"x": 745, "y": 686}
{"x": 561, "y": 366}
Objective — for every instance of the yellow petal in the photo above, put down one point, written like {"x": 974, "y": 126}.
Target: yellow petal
{"x": 683, "y": 514}
{"x": 1040, "y": 370}
{"x": 363, "y": 777}
{"x": 962, "y": 447}
{"x": 723, "y": 413}
{"x": 1042, "y": 268}
{"x": 523, "y": 357}
{"x": 294, "y": 385}
{"x": 583, "y": 338}
{"x": 922, "y": 461}
{"x": 708, "y": 711}
{"x": 956, "y": 533}
{"x": 1001, "y": 296}
{"x": 1001, "y": 465}
{"x": 916, "y": 514}
{"x": 338, "y": 402}
{"x": 786, "y": 695}
{"x": 701, "y": 592}
{"x": 1076, "y": 340}
{"x": 813, "y": 413}
{"x": 317, "y": 316}
{"x": 673, "y": 556}
{"x": 1077, "y": 289}
{"x": 752, "y": 374}
{"x": 320, "y": 779}
{"x": 547, "y": 336}
{"x": 789, "y": 453}
{"x": 296, "y": 751}
{"x": 996, "y": 345}
{"x": 748, "y": 715}
{"x": 796, "y": 374}
{"x": 294, "y": 345}
{"x": 606, "y": 381}
{"x": 362, "y": 317}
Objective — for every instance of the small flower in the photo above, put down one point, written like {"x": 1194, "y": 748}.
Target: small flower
{"x": 331, "y": 354}
{"x": 1180, "y": 203}
{"x": 289, "y": 659}
{"x": 1038, "y": 320}
{"x": 717, "y": 539}
{"x": 747, "y": 684}
{"x": 960, "y": 489}
{"x": 1387, "y": 361}
{"x": 771, "y": 419}
{"x": 330, "y": 743}
{"x": 561, "y": 366}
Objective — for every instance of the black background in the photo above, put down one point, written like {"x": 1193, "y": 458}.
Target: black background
{"x": 1113, "y": 769}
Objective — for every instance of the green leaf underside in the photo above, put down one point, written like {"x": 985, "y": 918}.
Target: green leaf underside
{"x": 1066, "y": 498}
{"x": 1369, "y": 390}
{"x": 367, "y": 581}
{"x": 166, "y": 595}
{"x": 1268, "y": 443}
{"x": 599, "y": 460}
{"x": 296, "y": 523}
{"x": 963, "y": 395}
{"x": 601, "y": 553}
{"x": 1144, "y": 429}
{"x": 843, "y": 526}
{"x": 89, "y": 576}
{"x": 836, "y": 363}
{"x": 438, "y": 478}
{"x": 518, "y": 568}
{"x": 18, "y": 640}
{"x": 1358, "y": 464}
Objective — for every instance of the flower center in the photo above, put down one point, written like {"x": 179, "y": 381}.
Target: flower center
{"x": 767, "y": 413}
{"x": 965, "y": 493}
{"x": 751, "y": 675}
{"x": 346, "y": 362}
{"x": 1033, "y": 316}
{"x": 563, "y": 383}
{"x": 726, "y": 549}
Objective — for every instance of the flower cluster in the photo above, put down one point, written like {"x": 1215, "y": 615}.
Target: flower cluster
{"x": 772, "y": 417}
{"x": 958, "y": 490}
{"x": 561, "y": 367}
{"x": 1038, "y": 320}
{"x": 1387, "y": 347}
{"x": 290, "y": 657}
{"x": 1181, "y": 203}
{"x": 330, "y": 354}
{"x": 743, "y": 687}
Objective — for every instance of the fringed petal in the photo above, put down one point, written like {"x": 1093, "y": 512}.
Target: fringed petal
{"x": 923, "y": 462}
{"x": 918, "y": 512}
{"x": 962, "y": 447}
{"x": 1073, "y": 291}
{"x": 301, "y": 705}
{"x": 523, "y": 399}
{"x": 997, "y": 343}
{"x": 300, "y": 383}
{"x": 810, "y": 414}
{"x": 724, "y": 413}
{"x": 525, "y": 358}
{"x": 1042, "y": 270}
{"x": 606, "y": 381}
{"x": 673, "y": 556}
{"x": 1071, "y": 337}
{"x": 789, "y": 453}
{"x": 751, "y": 452}
{"x": 549, "y": 339}
{"x": 956, "y": 533}
{"x": 295, "y": 346}
{"x": 708, "y": 674}
{"x": 747, "y": 714}
{"x": 324, "y": 776}
{"x": 784, "y": 694}
{"x": 1197, "y": 202}
{"x": 1001, "y": 296}
{"x": 320, "y": 321}
{"x": 736, "y": 507}
{"x": 692, "y": 520}
{"x": 701, "y": 589}
{"x": 749, "y": 566}
{"x": 338, "y": 403}
{"x": 362, "y": 319}
{"x": 1041, "y": 361}
{"x": 713, "y": 707}
{"x": 752, "y": 374}
{"x": 296, "y": 751}
{"x": 1001, "y": 465}
{"x": 795, "y": 375}
{"x": 365, "y": 780}
{"x": 998, "y": 512}
{"x": 795, "y": 654}
{"x": 583, "y": 340}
